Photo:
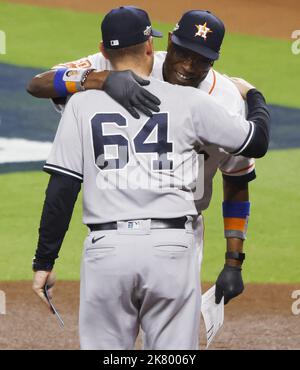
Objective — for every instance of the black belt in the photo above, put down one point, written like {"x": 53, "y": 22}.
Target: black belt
{"x": 156, "y": 223}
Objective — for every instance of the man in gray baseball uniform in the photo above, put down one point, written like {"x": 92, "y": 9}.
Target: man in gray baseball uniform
{"x": 140, "y": 264}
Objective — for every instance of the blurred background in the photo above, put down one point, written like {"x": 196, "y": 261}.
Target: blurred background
{"x": 35, "y": 35}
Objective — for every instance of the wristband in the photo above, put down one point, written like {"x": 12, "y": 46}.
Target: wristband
{"x": 236, "y": 216}
{"x": 59, "y": 84}
{"x": 38, "y": 265}
{"x": 70, "y": 80}
{"x": 235, "y": 256}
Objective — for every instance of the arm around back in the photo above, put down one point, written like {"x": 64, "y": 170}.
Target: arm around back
{"x": 213, "y": 124}
{"x": 41, "y": 85}
{"x": 258, "y": 113}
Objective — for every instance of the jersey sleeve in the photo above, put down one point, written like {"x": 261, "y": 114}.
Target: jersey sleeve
{"x": 66, "y": 156}
{"x": 92, "y": 61}
{"x": 213, "y": 124}
{"x": 97, "y": 61}
{"x": 238, "y": 169}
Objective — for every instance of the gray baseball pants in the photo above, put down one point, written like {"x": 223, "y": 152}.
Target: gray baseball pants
{"x": 140, "y": 277}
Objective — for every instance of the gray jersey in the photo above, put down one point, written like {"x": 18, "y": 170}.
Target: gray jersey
{"x": 224, "y": 92}
{"x": 146, "y": 168}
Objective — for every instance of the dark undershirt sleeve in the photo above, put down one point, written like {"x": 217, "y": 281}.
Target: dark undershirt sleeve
{"x": 258, "y": 113}
{"x": 61, "y": 195}
{"x": 244, "y": 179}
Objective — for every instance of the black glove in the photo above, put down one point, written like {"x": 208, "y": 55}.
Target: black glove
{"x": 229, "y": 283}
{"x": 125, "y": 88}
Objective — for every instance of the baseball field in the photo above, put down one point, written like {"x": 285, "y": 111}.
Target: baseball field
{"x": 257, "y": 47}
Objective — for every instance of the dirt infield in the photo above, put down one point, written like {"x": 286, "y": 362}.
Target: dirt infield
{"x": 259, "y": 319}
{"x": 273, "y": 18}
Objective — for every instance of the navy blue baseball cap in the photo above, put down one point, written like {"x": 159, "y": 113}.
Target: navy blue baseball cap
{"x": 200, "y": 31}
{"x": 126, "y": 26}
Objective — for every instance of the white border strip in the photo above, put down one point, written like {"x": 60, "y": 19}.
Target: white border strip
{"x": 249, "y": 139}
{"x": 13, "y": 150}
{"x": 63, "y": 171}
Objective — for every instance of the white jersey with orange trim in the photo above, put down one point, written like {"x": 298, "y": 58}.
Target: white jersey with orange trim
{"x": 226, "y": 94}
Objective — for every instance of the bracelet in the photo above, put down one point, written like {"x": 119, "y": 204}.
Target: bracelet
{"x": 238, "y": 256}
{"x": 85, "y": 76}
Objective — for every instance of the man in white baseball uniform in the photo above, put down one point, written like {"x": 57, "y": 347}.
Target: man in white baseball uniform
{"x": 193, "y": 47}
{"x": 140, "y": 264}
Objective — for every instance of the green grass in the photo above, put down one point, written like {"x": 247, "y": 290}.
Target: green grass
{"x": 22, "y": 196}
{"x": 272, "y": 246}
{"x": 268, "y": 63}
{"x": 42, "y": 37}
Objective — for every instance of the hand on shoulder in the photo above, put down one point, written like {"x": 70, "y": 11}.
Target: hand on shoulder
{"x": 242, "y": 85}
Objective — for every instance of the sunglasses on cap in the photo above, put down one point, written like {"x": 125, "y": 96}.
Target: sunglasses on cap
{"x": 186, "y": 54}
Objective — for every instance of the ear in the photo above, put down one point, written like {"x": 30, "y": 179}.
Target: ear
{"x": 150, "y": 46}
{"x": 102, "y": 50}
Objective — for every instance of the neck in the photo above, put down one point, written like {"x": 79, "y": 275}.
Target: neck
{"x": 139, "y": 69}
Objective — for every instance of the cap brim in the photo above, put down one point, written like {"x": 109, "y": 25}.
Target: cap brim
{"x": 199, "y": 49}
{"x": 156, "y": 33}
